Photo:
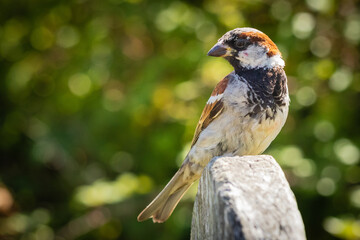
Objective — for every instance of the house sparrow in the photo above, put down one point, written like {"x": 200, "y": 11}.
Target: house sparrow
{"x": 243, "y": 115}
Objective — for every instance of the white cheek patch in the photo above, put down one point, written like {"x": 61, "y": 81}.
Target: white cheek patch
{"x": 215, "y": 98}
{"x": 276, "y": 61}
{"x": 256, "y": 57}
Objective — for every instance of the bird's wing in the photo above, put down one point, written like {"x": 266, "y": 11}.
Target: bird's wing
{"x": 213, "y": 108}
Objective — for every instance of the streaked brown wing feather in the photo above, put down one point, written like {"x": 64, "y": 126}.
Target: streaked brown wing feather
{"x": 211, "y": 110}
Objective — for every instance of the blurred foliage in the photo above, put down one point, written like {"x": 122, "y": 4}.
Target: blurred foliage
{"x": 100, "y": 99}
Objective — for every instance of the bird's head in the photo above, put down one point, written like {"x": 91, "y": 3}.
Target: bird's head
{"x": 248, "y": 48}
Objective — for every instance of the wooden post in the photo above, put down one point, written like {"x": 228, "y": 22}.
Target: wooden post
{"x": 245, "y": 198}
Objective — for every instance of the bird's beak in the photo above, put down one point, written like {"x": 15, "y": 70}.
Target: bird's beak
{"x": 220, "y": 50}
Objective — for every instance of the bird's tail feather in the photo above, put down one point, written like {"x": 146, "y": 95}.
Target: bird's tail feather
{"x": 163, "y": 205}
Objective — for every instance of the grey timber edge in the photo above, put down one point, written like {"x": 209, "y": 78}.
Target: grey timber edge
{"x": 245, "y": 197}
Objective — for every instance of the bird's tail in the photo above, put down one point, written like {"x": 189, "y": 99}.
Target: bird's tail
{"x": 163, "y": 205}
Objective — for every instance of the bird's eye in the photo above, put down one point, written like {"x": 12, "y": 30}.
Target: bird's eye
{"x": 240, "y": 43}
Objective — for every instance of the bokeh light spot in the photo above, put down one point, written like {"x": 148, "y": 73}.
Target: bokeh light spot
{"x": 290, "y": 156}
{"x": 41, "y": 216}
{"x": 6, "y": 200}
{"x": 320, "y": 46}
{"x": 352, "y": 28}
{"x": 108, "y": 192}
{"x": 11, "y": 34}
{"x": 44, "y": 150}
{"x": 305, "y": 168}
{"x": 99, "y": 74}
{"x": 320, "y": 5}
{"x": 355, "y": 197}
{"x": 162, "y": 97}
{"x": 346, "y": 151}
{"x": 79, "y": 84}
{"x": 170, "y": 18}
{"x": 188, "y": 90}
{"x": 306, "y": 70}
{"x": 206, "y": 31}
{"x": 333, "y": 225}
{"x": 98, "y": 29}
{"x": 44, "y": 233}
{"x": 306, "y": 96}
{"x": 21, "y": 72}
{"x": 230, "y": 16}
{"x": 302, "y": 25}
{"x": 324, "y": 68}
{"x": 136, "y": 48}
{"x": 145, "y": 184}
{"x": 324, "y": 131}
{"x": 112, "y": 100}
{"x": 13, "y": 31}
{"x": 341, "y": 79}
{"x": 326, "y": 186}
{"x": 281, "y": 10}
{"x": 18, "y": 222}
{"x": 343, "y": 228}
{"x": 181, "y": 111}
{"x": 42, "y": 38}
{"x": 67, "y": 36}
{"x": 213, "y": 70}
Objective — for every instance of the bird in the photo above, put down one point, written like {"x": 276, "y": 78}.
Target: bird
{"x": 243, "y": 115}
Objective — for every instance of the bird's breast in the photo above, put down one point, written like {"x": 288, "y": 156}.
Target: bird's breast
{"x": 255, "y": 121}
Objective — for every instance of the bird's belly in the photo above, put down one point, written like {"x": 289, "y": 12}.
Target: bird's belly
{"x": 235, "y": 134}
{"x": 258, "y": 136}
{"x": 250, "y": 135}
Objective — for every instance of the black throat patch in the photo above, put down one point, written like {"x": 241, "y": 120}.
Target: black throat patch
{"x": 267, "y": 90}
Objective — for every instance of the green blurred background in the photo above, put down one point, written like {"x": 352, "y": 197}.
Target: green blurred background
{"x": 100, "y": 99}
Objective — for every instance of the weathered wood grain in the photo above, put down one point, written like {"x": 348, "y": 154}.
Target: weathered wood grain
{"x": 245, "y": 198}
